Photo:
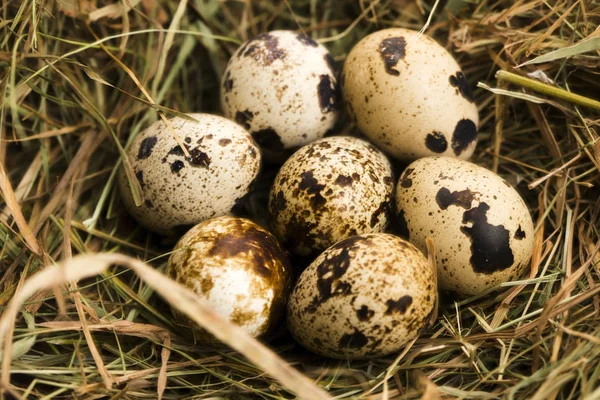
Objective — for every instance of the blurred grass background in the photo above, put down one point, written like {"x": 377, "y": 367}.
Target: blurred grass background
{"x": 80, "y": 78}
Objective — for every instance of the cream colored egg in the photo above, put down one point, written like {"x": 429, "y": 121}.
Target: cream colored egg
{"x": 282, "y": 87}
{"x": 236, "y": 266}
{"x": 180, "y": 191}
{"x": 408, "y": 95}
{"x": 481, "y": 227}
{"x": 329, "y": 190}
{"x": 366, "y": 296}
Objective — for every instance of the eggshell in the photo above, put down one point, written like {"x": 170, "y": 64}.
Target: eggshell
{"x": 238, "y": 267}
{"x": 178, "y": 191}
{"x": 329, "y": 190}
{"x": 282, "y": 87}
{"x": 409, "y": 96}
{"x": 366, "y": 296}
{"x": 481, "y": 227}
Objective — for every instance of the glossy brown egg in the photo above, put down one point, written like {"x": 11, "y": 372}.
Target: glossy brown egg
{"x": 238, "y": 267}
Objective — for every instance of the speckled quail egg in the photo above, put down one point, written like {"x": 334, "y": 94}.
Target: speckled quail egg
{"x": 282, "y": 87}
{"x": 181, "y": 191}
{"x": 480, "y": 225}
{"x": 238, "y": 267}
{"x": 366, "y": 296}
{"x": 408, "y": 95}
{"x": 329, "y": 190}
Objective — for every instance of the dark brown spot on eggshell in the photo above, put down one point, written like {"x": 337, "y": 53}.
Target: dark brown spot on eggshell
{"x": 198, "y": 158}
{"x": 520, "y": 233}
{"x": 328, "y": 93}
{"x": 279, "y": 203}
{"x": 343, "y": 180}
{"x": 464, "y": 134}
{"x": 224, "y": 142}
{"x": 268, "y": 53}
{"x": 242, "y": 317}
{"x": 364, "y": 313}
{"x": 459, "y": 81}
{"x": 445, "y": 198}
{"x": 331, "y": 270}
{"x": 398, "y": 306}
{"x": 436, "y": 142}
{"x": 392, "y": 50}
{"x": 405, "y": 180}
{"x": 228, "y": 82}
{"x": 146, "y": 147}
{"x": 206, "y": 284}
{"x": 176, "y": 151}
{"x": 490, "y": 244}
{"x": 355, "y": 340}
{"x": 313, "y": 188}
{"x": 176, "y": 166}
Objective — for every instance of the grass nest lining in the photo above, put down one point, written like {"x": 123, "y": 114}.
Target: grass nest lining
{"x": 80, "y": 78}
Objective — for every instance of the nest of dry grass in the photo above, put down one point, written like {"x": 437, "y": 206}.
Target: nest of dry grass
{"x": 80, "y": 78}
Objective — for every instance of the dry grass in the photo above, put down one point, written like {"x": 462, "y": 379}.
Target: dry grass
{"x": 80, "y": 78}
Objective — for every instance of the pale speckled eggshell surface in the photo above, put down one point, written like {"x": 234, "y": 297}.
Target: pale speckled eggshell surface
{"x": 480, "y": 225}
{"x": 366, "y": 296}
{"x": 236, "y": 266}
{"x": 282, "y": 87}
{"x": 409, "y": 96}
{"x": 180, "y": 191}
{"x": 329, "y": 190}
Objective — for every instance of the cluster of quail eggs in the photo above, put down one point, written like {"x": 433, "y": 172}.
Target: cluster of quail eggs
{"x": 367, "y": 292}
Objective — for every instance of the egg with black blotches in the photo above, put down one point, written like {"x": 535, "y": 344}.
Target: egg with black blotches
{"x": 179, "y": 190}
{"x": 329, "y": 190}
{"x": 481, "y": 227}
{"x": 409, "y": 96}
{"x": 238, "y": 268}
{"x": 282, "y": 87}
{"x": 366, "y": 296}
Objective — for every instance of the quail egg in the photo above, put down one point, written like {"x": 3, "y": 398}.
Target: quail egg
{"x": 238, "y": 267}
{"x": 329, "y": 190}
{"x": 282, "y": 87}
{"x": 366, "y": 296}
{"x": 481, "y": 227}
{"x": 408, "y": 95}
{"x": 181, "y": 191}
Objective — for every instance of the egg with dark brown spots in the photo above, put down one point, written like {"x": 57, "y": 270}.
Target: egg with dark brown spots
{"x": 179, "y": 191}
{"x": 366, "y": 296}
{"x": 238, "y": 268}
{"x": 481, "y": 227}
{"x": 282, "y": 87}
{"x": 409, "y": 96}
{"x": 329, "y": 190}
